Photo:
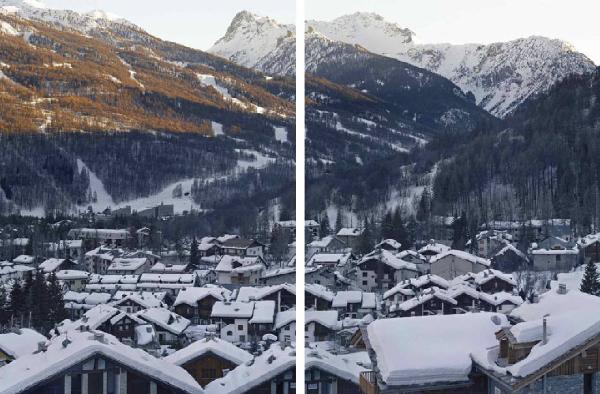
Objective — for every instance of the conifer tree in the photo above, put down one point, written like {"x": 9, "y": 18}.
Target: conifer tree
{"x": 591, "y": 281}
{"x": 194, "y": 252}
{"x": 56, "y": 304}
{"x": 17, "y": 300}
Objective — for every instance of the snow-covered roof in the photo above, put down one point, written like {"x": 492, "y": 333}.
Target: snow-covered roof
{"x": 345, "y": 366}
{"x": 369, "y": 301}
{"x": 191, "y": 295}
{"x": 428, "y": 294}
{"x": 343, "y": 298}
{"x": 433, "y": 247}
{"x": 423, "y": 280}
{"x": 392, "y": 243}
{"x": 329, "y": 259}
{"x": 263, "y": 368}
{"x": 144, "y": 334}
{"x": 264, "y": 312}
{"x": 127, "y": 264}
{"x": 71, "y": 274}
{"x": 284, "y": 318}
{"x": 405, "y": 253}
{"x": 20, "y": 342}
{"x": 30, "y": 370}
{"x": 553, "y": 303}
{"x": 232, "y": 309}
{"x": 113, "y": 279}
{"x": 319, "y": 291}
{"x": 93, "y": 318}
{"x": 75, "y": 296}
{"x": 486, "y": 275}
{"x": 213, "y": 345}
{"x": 144, "y": 299}
{"x": 564, "y": 332}
{"x": 50, "y": 265}
{"x": 461, "y": 255}
{"x": 349, "y": 232}
{"x": 323, "y": 242}
{"x": 173, "y": 268}
{"x": 251, "y": 293}
{"x": 501, "y": 298}
{"x": 388, "y": 258}
{"x": 239, "y": 264}
{"x": 328, "y": 319}
{"x": 167, "y": 278}
{"x": 165, "y": 319}
{"x": 24, "y": 259}
{"x": 510, "y": 247}
{"x": 441, "y": 352}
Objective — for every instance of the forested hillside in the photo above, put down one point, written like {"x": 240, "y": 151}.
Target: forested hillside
{"x": 544, "y": 162}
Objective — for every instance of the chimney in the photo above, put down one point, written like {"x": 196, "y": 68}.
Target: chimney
{"x": 42, "y": 346}
{"x": 544, "y": 331}
{"x": 562, "y": 288}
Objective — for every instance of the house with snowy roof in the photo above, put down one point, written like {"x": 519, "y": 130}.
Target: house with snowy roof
{"x": 589, "y": 247}
{"x": 327, "y": 244}
{"x": 263, "y": 318}
{"x": 98, "y": 260}
{"x": 556, "y": 354}
{"x": 107, "y": 283}
{"x": 285, "y": 326}
{"x": 416, "y": 258}
{"x": 209, "y": 359}
{"x": 489, "y": 241}
{"x": 11, "y": 272}
{"x": 128, "y": 266}
{"x": 233, "y": 319}
{"x": 17, "y": 343}
{"x": 278, "y": 276}
{"x": 453, "y": 263}
{"x": 53, "y": 265}
{"x": 271, "y": 371}
{"x": 169, "y": 283}
{"x": 283, "y": 295}
{"x": 350, "y": 236}
{"x": 136, "y": 301}
{"x": 196, "y": 303}
{"x": 168, "y": 325}
{"x": 332, "y": 260}
{"x": 242, "y": 247}
{"x": 73, "y": 279}
{"x": 24, "y": 259}
{"x": 240, "y": 270}
{"x": 554, "y": 254}
{"x": 320, "y": 325}
{"x": 493, "y": 281}
{"x": 354, "y": 304}
{"x": 438, "y": 359}
{"x": 317, "y": 297}
{"x": 433, "y": 248}
{"x": 509, "y": 259}
{"x": 93, "y": 237}
{"x": 381, "y": 270}
{"x": 391, "y": 245}
{"x": 96, "y": 362}
{"x": 334, "y": 373}
{"x": 432, "y": 301}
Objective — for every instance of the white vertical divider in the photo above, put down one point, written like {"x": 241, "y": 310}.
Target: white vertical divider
{"x": 300, "y": 211}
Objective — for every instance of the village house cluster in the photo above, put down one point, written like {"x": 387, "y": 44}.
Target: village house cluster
{"x": 503, "y": 313}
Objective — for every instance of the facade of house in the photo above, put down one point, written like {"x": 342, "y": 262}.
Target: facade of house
{"x": 381, "y": 270}
{"x": 453, "y": 263}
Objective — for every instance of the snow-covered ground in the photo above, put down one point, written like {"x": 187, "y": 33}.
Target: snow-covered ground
{"x": 281, "y": 134}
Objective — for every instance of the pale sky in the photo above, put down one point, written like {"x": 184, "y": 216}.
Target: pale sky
{"x": 481, "y": 21}
{"x": 195, "y": 23}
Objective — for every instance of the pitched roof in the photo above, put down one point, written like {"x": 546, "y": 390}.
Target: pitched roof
{"x": 214, "y": 345}
{"x": 30, "y": 370}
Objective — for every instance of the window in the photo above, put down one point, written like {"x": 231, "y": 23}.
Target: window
{"x": 240, "y": 327}
{"x": 229, "y": 333}
{"x": 364, "y": 282}
{"x": 242, "y": 338}
{"x": 364, "y": 274}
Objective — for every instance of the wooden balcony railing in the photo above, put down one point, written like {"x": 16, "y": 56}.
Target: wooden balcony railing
{"x": 368, "y": 382}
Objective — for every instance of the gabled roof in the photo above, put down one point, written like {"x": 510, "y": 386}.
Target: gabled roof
{"x": 250, "y": 293}
{"x": 461, "y": 255}
{"x": 33, "y": 369}
{"x": 20, "y": 342}
{"x": 344, "y": 366}
{"x": 240, "y": 264}
{"x": 284, "y": 318}
{"x": 319, "y": 291}
{"x": 487, "y": 275}
{"x": 165, "y": 319}
{"x": 191, "y": 295}
{"x": 328, "y": 319}
{"x": 263, "y": 368}
{"x": 388, "y": 258}
{"x": 226, "y": 309}
{"x": 264, "y": 312}
{"x": 214, "y": 345}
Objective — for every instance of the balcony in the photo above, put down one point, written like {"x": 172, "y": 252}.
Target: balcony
{"x": 368, "y": 382}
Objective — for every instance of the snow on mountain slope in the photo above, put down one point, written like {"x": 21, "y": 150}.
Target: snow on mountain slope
{"x": 257, "y": 42}
{"x": 64, "y": 19}
{"x": 500, "y": 75}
